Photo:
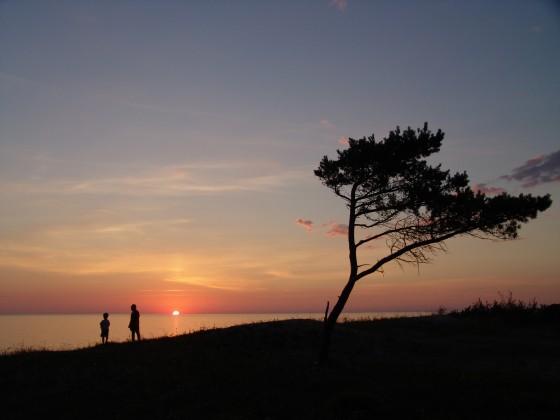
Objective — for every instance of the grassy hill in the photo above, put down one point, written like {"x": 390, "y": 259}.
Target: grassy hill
{"x": 442, "y": 367}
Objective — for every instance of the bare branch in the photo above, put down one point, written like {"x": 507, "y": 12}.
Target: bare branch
{"x": 337, "y": 192}
{"x": 406, "y": 249}
{"x": 372, "y": 194}
{"x": 379, "y": 235}
{"x": 379, "y": 221}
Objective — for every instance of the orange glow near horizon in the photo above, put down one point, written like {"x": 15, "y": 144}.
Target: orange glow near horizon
{"x": 276, "y": 279}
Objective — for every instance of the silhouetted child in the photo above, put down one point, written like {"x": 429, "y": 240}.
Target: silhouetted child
{"x": 104, "y": 324}
{"x": 134, "y": 324}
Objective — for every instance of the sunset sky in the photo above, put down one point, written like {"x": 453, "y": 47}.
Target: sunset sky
{"x": 162, "y": 152}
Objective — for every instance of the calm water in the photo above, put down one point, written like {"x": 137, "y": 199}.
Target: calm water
{"x": 63, "y": 332}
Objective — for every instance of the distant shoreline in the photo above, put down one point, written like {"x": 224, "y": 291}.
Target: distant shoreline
{"x": 210, "y": 313}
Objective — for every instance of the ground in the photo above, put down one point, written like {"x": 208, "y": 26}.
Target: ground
{"x": 436, "y": 367}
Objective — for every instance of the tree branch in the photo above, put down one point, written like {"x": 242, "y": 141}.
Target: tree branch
{"x": 379, "y": 235}
{"x": 378, "y": 222}
{"x": 372, "y": 194}
{"x": 341, "y": 195}
{"x": 406, "y": 249}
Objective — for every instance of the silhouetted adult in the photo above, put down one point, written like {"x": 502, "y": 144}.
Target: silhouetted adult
{"x": 134, "y": 324}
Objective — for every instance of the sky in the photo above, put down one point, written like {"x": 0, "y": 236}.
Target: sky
{"x": 162, "y": 152}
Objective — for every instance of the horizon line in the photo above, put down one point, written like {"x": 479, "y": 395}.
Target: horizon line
{"x": 215, "y": 313}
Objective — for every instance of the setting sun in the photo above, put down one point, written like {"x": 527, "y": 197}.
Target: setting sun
{"x": 175, "y": 312}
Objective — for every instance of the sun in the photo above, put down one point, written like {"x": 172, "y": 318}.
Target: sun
{"x": 175, "y": 312}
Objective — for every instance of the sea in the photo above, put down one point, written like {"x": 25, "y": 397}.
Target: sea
{"x": 73, "y": 331}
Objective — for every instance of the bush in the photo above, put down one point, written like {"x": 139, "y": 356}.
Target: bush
{"x": 510, "y": 308}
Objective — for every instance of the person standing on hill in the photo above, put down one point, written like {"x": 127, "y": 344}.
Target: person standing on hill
{"x": 104, "y": 325}
{"x": 134, "y": 324}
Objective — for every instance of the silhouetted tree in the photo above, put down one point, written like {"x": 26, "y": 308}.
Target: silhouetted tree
{"x": 392, "y": 193}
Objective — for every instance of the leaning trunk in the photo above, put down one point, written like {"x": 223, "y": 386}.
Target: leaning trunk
{"x": 330, "y": 322}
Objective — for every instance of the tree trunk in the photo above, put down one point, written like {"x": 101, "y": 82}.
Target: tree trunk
{"x": 330, "y": 322}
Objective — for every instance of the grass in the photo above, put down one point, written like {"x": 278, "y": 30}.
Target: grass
{"x": 464, "y": 365}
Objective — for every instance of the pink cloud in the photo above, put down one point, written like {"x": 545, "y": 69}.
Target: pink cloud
{"x": 339, "y": 4}
{"x": 306, "y": 224}
{"x": 343, "y": 141}
{"x": 336, "y": 229}
{"x": 326, "y": 124}
{"x": 486, "y": 189}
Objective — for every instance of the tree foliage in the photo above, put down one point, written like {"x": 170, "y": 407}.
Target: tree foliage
{"x": 394, "y": 194}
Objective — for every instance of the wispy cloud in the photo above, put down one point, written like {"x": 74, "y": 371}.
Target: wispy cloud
{"x": 325, "y": 123}
{"x": 202, "y": 282}
{"x": 339, "y": 4}
{"x": 306, "y": 224}
{"x": 487, "y": 189}
{"x": 336, "y": 229}
{"x": 179, "y": 180}
{"x": 538, "y": 170}
{"x": 117, "y": 228}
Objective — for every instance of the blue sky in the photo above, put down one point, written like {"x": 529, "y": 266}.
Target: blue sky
{"x": 184, "y": 130}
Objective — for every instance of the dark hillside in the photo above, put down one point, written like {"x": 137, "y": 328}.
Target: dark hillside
{"x": 443, "y": 367}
